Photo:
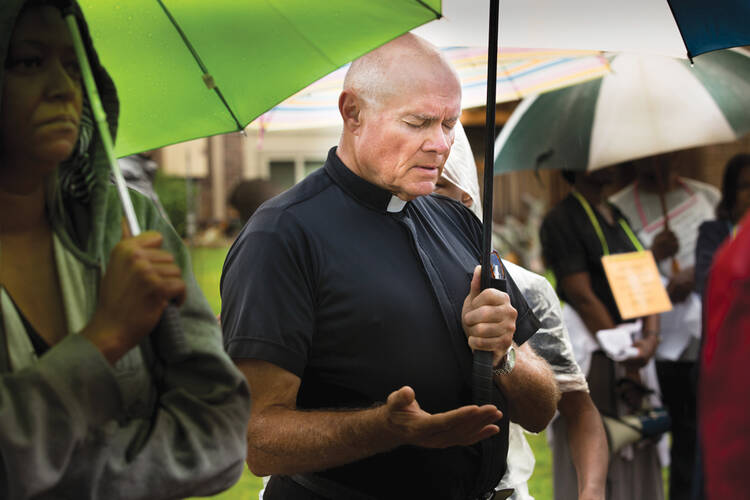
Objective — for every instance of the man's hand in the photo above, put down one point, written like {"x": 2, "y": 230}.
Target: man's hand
{"x": 489, "y": 319}
{"x": 665, "y": 245}
{"x": 139, "y": 282}
{"x": 282, "y": 439}
{"x": 461, "y": 427}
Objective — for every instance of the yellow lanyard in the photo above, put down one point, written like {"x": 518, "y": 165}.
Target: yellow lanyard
{"x": 598, "y": 228}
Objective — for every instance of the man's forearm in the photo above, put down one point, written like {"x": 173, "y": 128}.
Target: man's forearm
{"x": 588, "y": 443}
{"x": 287, "y": 441}
{"x": 531, "y": 390}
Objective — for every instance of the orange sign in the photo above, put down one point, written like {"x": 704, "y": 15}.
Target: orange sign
{"x": 636, "y": 284}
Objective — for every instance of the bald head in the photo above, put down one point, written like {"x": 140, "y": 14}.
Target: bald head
{"x": 399, "y": 64}
{"x": 400, "y": 104}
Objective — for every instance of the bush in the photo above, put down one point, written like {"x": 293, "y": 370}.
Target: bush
{"x": 172, "y": 194}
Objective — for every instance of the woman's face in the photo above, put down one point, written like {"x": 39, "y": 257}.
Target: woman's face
{"x": 41, "y": 95}
{"x": 447, "y": 188}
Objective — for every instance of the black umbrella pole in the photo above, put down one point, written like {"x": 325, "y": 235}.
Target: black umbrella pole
{"x": 169, "y": 325}
{"x": 482, "y": 367}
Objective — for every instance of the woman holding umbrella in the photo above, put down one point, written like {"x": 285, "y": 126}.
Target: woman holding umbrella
{"x": 575, "y": 235}
{"x": 94, "y": 401}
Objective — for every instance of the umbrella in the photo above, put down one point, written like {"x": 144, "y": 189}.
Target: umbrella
{"x": 647, "y": 105}
{"x": 151, "y": 61}
{"x": 660, "y": 26}
{"x": 522, "y": 72}
{"x": 684, "y": 28}
{"x": 189, "y": 69}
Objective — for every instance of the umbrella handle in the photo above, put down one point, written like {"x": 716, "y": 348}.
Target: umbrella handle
{"x": 100, "y": 117}
{"x": 482, "y": 383}
{"x": 169, "y": 325}
{"x": 481, "y": 377}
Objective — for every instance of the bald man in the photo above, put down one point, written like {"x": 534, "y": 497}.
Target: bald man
{"x": 352, "y": 304}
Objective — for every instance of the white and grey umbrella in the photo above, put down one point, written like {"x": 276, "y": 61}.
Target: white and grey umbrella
{"x": 647, "y": 105}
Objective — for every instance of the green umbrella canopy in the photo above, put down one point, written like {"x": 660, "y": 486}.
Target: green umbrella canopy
{"x": 257, "y": 53}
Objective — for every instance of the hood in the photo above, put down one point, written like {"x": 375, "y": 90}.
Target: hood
{"x": 77, "y": 192}
{"x": 461, "y": 170}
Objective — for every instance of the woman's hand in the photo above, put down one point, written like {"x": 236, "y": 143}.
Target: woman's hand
{"x": 140, "y": 280}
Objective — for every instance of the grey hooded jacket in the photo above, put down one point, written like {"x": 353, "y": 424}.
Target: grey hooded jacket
{"x": 161, "y": 423}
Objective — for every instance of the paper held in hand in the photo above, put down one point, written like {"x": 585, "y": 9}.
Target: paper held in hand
{"x": 635, "y": 283}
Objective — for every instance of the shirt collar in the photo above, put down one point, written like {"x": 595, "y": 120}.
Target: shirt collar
{"x": 361, "y": 190}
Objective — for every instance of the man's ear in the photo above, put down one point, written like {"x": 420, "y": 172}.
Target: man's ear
{"x": 350, "y": 109}
{"x": 466, "y": 199}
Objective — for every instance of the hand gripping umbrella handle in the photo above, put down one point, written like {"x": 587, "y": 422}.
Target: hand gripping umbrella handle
{"x": 169, "y": 325}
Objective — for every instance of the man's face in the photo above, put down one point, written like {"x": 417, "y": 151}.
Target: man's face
{"x": 41, "y": 96}
{"x": 405, "y": 139}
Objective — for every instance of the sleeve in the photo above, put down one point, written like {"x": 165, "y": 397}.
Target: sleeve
{"x": 64, "y": 420}
{"x": 710, "y": 237}
{"x": 551, "y": 341}
{"x": 46, "y": 412}
{"x": 267, "y": 292}
{"x": 194, "y": 443}
{"x": 527, "y": 323}
{"x": 562, "y": 248}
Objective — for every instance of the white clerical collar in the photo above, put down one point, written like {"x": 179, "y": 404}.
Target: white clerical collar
{"x": 396, "y": 204}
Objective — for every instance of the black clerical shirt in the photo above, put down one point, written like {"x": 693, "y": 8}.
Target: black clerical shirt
{"x": 359, "y": 293}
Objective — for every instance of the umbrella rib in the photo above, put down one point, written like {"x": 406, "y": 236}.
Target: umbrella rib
{"x": 679, "y": 29}
{"x": 207, "y": 78}
{"x": 438, "y": 15}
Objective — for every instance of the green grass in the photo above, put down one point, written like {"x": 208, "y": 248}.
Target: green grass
{"x": 207, "y": 264}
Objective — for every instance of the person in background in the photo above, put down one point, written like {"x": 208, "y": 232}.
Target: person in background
{"x": 245, "y": 198}
{"x": 139, "y": 171}
{"x": 575, "y": 235}
{"x": 724, "y": 408}
{"x": 734, "y": 204}
{"x": 351, "y": 302}
{"x": 95, "y": 400}
{"x": 658, "y": 189}
{"x": 583, "y": 426}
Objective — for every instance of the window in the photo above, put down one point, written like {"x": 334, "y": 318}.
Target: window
{"x": 286, "y": 171}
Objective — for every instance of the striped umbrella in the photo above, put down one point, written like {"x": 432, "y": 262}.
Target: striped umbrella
{"x": 647, "y": 105}
{"x": 520, "y": 72}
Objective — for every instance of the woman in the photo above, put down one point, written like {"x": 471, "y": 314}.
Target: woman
{"x": 574, "y": 235}
{"x": 734, "y": 204}
{"x": 94, "y": 401}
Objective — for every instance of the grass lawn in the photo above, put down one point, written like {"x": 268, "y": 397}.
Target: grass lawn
{"x": 207, "y": 264}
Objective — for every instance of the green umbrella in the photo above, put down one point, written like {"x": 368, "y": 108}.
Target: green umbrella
{"x": 186, "y": 68}
{"x": 194, "y": 69}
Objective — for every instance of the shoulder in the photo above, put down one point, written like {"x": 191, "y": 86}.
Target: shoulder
{"x": 624, "y": 195}
{"x": 710, "y": 191}
{"x": 716, "y": 228}
{"x": 444, "y": 210}
{"x": 561, "y": 214}
{"x": 536, "y": 289}
{"x": 624, "y": 201}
